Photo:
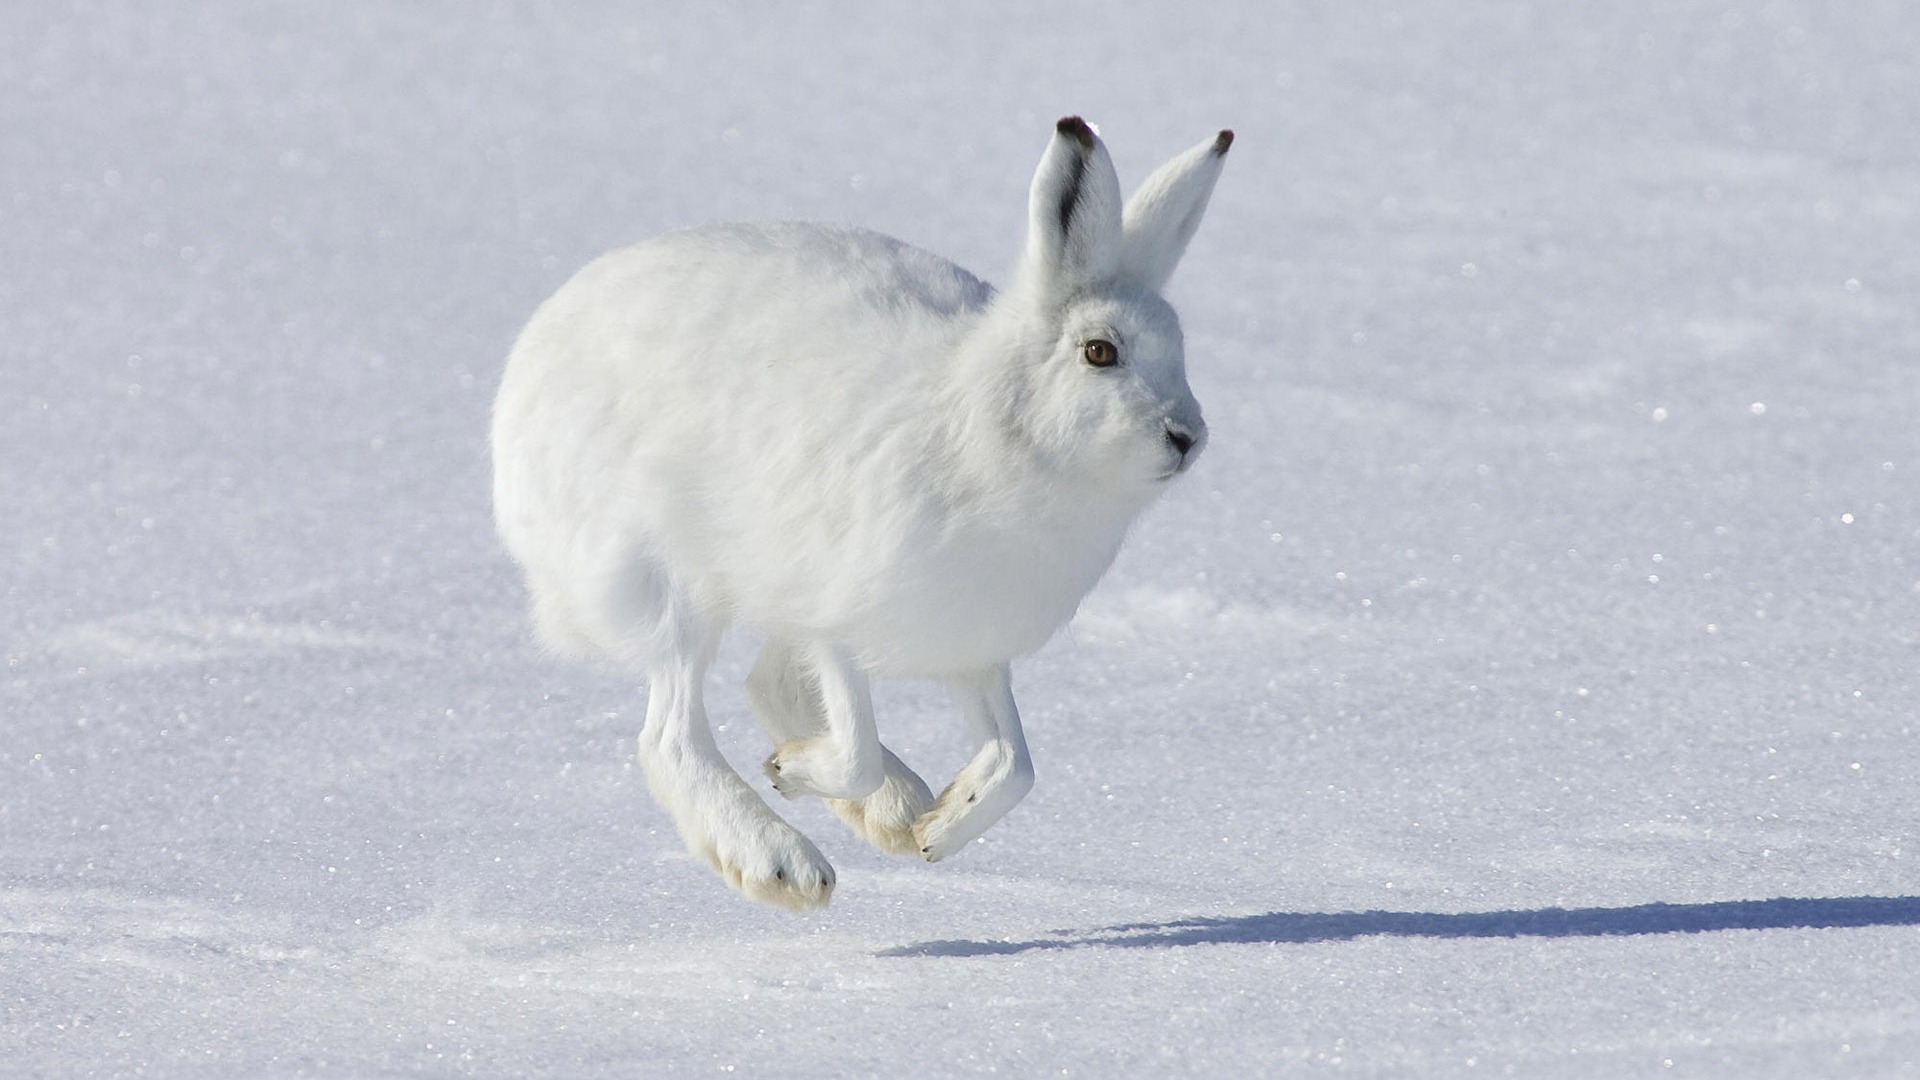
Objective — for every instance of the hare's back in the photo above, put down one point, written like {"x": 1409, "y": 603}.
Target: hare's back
{"x": 759, "y": 309}
{"x": 830, "y": 259}
{"x": 840, "y": 280}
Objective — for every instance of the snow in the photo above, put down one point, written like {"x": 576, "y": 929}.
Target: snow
{"x": 1523, "y": 683}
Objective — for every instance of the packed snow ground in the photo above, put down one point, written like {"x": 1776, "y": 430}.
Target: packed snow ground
{"x": 1523, "y": 684}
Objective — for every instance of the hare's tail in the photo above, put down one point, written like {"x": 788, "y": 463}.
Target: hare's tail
{"x": 557, "y": 629}
{"x": 629, "y": 613}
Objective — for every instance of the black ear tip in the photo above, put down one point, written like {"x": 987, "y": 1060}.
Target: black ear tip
{"x": 1077, "y": 129}
{"x": 1222, "y": 141}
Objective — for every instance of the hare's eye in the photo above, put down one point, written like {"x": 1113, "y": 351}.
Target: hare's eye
{"x": 1100, "y": 353}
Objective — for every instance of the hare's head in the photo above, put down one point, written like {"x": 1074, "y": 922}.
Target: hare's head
{"x": 1104, "y": 364}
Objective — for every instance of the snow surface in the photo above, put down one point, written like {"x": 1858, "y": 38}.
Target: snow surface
{"x": 1524, "y": 683}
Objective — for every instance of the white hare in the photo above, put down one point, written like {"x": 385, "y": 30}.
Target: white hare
{"x": 864, "y": 452}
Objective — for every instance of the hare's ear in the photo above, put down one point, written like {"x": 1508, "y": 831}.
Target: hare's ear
{"x": 1162, "y": 215}
{"x": 1073, "y": 228}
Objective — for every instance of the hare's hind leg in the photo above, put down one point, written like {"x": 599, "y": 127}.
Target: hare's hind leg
{"x": 787, "y": 697}
{"x": 718, "y": 815}
{"x": 997, "y": 778}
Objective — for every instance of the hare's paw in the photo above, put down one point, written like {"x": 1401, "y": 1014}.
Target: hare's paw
{"x": 992, "y": 783}
{"x": 722, "y": 821}
{"x": 769, "y": 861}
{"x": 820, "y": 766}
{"x": 885, "y": 818}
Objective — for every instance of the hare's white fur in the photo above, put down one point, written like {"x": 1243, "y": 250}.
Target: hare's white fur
{"x": 866, "y": 453}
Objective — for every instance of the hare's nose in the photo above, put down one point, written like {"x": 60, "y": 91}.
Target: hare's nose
{"x": 1181, "y": 439}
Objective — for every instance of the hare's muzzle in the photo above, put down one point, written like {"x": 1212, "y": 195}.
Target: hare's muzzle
{"x": 1186, "y": 446}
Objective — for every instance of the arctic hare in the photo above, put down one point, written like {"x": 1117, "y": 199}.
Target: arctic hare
{"x": 867, "y": 454}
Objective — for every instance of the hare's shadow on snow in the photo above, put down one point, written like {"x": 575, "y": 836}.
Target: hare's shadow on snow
{"x": 1295, "y": 928}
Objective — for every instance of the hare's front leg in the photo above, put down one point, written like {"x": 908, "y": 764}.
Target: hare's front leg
{"x": 843, "y": 761}
{"x": 718, "y": 815}
{"x": 786, "y": 695}
{"x": 790, "y": 696}
{"x": 997, "y": 778}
